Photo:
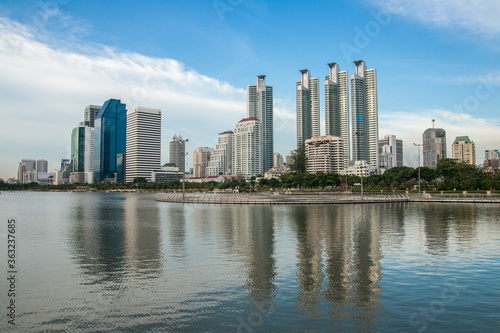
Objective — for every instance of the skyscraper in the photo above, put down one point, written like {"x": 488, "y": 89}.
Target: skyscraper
{"x": 222, "y": 158}
{"x": 434, "y": 140}
{"x": 337, "y": 108}
{"x": 143, "y": 152}
{"x": 91, "y": 112}
{"x": 364, "y": 112}
{"x": 260, "y": 106}
{"x": 78, "y": 149}
{"x": 177, "y": 152}
{"x": 109, "y": 140}
{"x": 42, "y": 166}
{"x": 464, "y": 150}
{"x": 307, "y": 107}
{"x": 247, "y": 148}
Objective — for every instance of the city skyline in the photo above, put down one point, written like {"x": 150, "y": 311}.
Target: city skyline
{"x": 195, "y": 66}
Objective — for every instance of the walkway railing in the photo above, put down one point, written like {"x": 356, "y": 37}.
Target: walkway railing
{"x": 277, "y": 199}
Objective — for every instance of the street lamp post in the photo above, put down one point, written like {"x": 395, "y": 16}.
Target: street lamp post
{"x": 418, "y": 146}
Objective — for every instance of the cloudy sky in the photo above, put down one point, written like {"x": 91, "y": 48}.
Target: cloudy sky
{"x": 194, "y": 59}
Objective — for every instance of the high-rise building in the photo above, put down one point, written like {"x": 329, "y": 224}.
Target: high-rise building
{"x": 42, "y": 166}
{"x": 434, "y": 149}
{"x": 89, "y": 155}
{"x": 364, "y": 112}
{"x": 308, "y": 121}
{"x": 260, "y": 106}
{"x": 464, "y": 150}
{"x": 222, "y": 158}
{"x": 30, "y": 164}
{"x": 21, "y": 170}
{"x": 91, "y": 112}
{"x": 110, "y": 129}
{"x": 143, "y": 153}
{"x": 390, "y": 152}
{"x": 324, "y": 154}
{"x": 177, "y": 152}
{"x": 201, "y": 157}
{"x": 247, "y": 148}
{"x": 78, "y": 149}
{"x": 337, "y": 107}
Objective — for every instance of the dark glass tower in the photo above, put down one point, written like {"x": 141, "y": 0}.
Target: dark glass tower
{"x": 109, "y": 140}
{"x": 78, "y": 149}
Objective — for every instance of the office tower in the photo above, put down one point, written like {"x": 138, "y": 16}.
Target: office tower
{"x": 324, "y": 154}
{"x": 307, "y": 107}
{"x": 21, "y": 170}
{"x": 390, "y": 152}
{"x": 110, "y": 129}
{"x": 222, "y": 158}
{"x": 247, "y": 148}
{"x": 278, "y": 162}
{"x": 464, "y": 150}
{"x": 42, "y": 166}
{"x": 143, "y": 152}
{"x": 337, "y": 107}
{"x": 434, "y": 140}
{"x": 364, "y": 112}
{"x": 260, "y": 106}
{"x": 78, "y": 149}
{"x": 201, "y": 157}
{"x": 90, "y": 114}
{"x": 177, "y": 152}
{"x": 30, "y": 164}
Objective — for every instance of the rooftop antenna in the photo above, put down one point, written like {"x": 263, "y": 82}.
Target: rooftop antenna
{"x": 433, "y": 120}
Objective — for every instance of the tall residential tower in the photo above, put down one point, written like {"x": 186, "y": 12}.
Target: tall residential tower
{"x": 434, "y": 140}
{"x": 260, "y": 106}
{"x": 307, "y": 107}
{"x": 364, "y": 112}
{"x": 337, "y": 108}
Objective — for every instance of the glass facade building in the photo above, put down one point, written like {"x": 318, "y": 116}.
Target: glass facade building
{"x": 109, "y": 140}
{"x": 78, "y": 149}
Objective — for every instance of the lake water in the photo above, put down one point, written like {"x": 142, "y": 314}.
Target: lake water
{"x": 107, "y": 262}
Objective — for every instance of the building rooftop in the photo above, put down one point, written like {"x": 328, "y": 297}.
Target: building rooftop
{"x": 462, "y": 138}
{"x": 248, "y": 119}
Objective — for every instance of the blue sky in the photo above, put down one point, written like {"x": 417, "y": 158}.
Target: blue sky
{"x": 194, "y": 59}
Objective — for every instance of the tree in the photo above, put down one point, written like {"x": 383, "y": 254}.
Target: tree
{"x": 299, "y": 160}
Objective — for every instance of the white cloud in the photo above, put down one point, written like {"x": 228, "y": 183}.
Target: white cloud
{"x": 410, "y": 126}
{"x": 477, "y": 16}
{"x": 44, "y": 91}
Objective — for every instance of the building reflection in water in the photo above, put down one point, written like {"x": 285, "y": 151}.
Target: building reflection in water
{"x": 338, "y": 260}
{"x": 254, "y": 244}
{"x": 115, "y": 240}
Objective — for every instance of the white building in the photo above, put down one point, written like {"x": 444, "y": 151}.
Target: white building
{"x": 89, "y": 155}
{"x": 42, "y": 166}
{"x": 201, "y": 157}
{"x": 143, "y": 147}
{"x": 364, "y": 112}
{"x": 337, "y": 107}
{"x": 359, "y": 167}
{"x": 247, "y": 148}
{"x": 308, "y": 121}
{"x": 260, "y": 106}
{"x": 166, "y": 174}
{"x": 222, "y": 158}
{"x": 390, "y": 152}
{"x": 324, "y": 154}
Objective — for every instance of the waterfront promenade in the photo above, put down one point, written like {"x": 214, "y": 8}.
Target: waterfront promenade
{"x": 316, "y": 199}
